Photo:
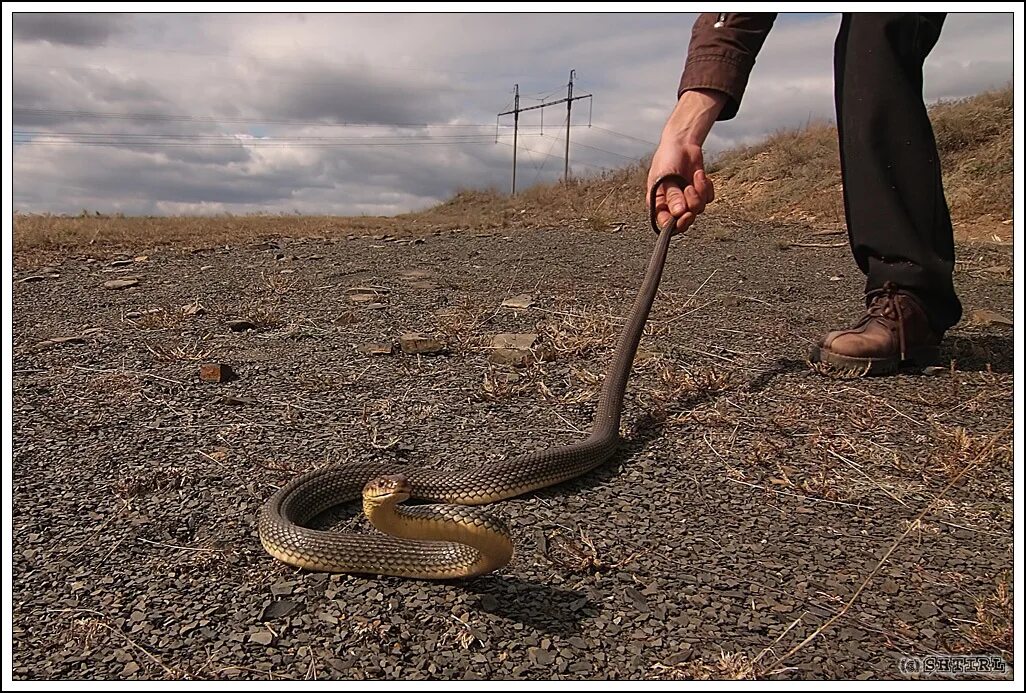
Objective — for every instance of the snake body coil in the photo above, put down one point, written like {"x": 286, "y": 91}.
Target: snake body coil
{"x": 453, "y": 540}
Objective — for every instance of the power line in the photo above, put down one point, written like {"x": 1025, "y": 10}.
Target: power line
{"x": 251, "y": 144}
{"x": 161, "y": 117}
{"x": 234, "y": 137}
{"x": 625, "y": 136}
{"x": 569, "y": 100}
{"x": 550, "y": 155}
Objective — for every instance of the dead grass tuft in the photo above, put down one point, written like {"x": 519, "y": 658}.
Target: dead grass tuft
{"x": 730, "y": 666}
{"x": 957, "y": 448}
{"x": 160, "y": 480}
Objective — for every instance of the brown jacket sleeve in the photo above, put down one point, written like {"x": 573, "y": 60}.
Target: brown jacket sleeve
{"x": 722, "y": 53}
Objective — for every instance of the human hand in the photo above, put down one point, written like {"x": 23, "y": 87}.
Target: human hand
{"x": 671, "y": 199}
{"x": 680, "y": 154}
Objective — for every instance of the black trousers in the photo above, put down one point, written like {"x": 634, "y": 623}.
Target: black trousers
{"x": 898, "y": 221}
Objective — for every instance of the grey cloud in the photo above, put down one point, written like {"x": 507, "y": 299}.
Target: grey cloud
{"x": 73, "y": 29}
{"x": 396, "y": 69}
{"x": 350, "y": 94}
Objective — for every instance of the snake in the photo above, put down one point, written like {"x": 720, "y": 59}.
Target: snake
{"x": 451, "y": 538}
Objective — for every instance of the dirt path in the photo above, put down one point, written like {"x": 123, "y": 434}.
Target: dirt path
{"x": 751, "y": 500}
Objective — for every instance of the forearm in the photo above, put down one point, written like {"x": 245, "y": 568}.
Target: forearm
{"x": 693, "y": 117}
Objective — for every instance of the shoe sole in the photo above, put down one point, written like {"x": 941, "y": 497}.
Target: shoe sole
{"x": 855, "y": 366}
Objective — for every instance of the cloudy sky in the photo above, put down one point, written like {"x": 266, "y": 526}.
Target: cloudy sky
{"x": 378, "y": 114}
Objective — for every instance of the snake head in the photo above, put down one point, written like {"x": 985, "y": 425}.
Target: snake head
{"x": 391, "y": 488}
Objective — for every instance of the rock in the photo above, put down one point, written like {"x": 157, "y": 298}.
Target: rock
{"x": 216, "y": 373}
{"x": 262, "y": 638}
{"x": 416, "y": 343}
{"x": 540, "y": 657}
{"x": 38, "y": 277}
{"x": 889, "y": 586}
{"x": 927, "y": 610}
{"x": 74, "y": 339}
{"x": 241, "y": 325}
{"x": 130, "y": 669}
{"x": 375, "y": 349}
{"x": 512, "y": 349}
{"x": 125, "y": 283}
{"x": 415, "y": 274}
{"x": 282, "y": 588}
{"x": 982, "y": 316}
{"x": 194, "y": 308}
{"x": 521, "y": 301}
{"x": 363, "y": 298}
{"x": 278, "y": 609}
{"x": 121, "y": 263}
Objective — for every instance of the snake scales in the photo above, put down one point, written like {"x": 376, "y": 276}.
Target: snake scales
{"x": 454, "y": 540}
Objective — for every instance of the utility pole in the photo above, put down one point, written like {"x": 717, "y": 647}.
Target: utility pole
{"x": 570, "y": 98}
{"x": 516, "y": 123}
{"x": 569, "y": 103}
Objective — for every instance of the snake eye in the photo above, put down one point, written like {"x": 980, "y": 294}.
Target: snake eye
{"x": 385, "y": 486}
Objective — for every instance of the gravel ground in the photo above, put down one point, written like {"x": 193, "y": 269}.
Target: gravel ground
{"x": 752, "y": 499}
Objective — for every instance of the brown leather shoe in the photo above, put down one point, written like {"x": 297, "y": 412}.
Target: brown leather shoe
{"x": 895, "y": 330}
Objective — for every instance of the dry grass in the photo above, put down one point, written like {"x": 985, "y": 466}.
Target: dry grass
{"x": 794, "y": 175}
{"x": 730, "y": 666}
{"x": 160, "y": 480}
{"x": 957, "y": 447}
{"x": 993, "y": 627}
{"x": 791, "y": 176}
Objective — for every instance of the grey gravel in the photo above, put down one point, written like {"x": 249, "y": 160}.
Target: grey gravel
{"x": 724, "y": 527}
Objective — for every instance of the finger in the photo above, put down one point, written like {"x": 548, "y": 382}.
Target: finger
{"x": 686, "y": 220}
{"x": 675, "y": 200}
{"x": 704, "y": 186}
{"x": 696, "y": 203}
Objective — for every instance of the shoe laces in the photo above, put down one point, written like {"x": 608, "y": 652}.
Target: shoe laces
{"x": 884, "y": 305}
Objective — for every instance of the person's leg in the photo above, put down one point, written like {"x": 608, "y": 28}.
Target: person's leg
{"x": 898, "y": 221}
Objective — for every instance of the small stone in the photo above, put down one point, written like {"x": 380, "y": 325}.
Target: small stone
{"x": 424, "y": 285}
{"x": 927, "y": 610}
{"x": 262, "y": 638}
{"x": 415, "y": 274}
{"x": 194, "y": 308}
{"x": 216, "y": 373}
{"x": 363, "y": 298}
{"x": 141, "y": 258}
{"x": 375, "y": 349}
{"x": 130, "y": 669}
{"x": 516, "y": 349}
{"x": 889, "y": 586}
{"x": 416, "y": 343}
{"x": 983, "y": 317}
{"x": 240, "y": 325}
{"x": 521, "y": 301}
{"x": 121, "y": 263}
{"x": 540, "y": 657}
{"x": 278, "y": 609}
{"x": 282, "y": 588}
{"x": 126, "y": 283}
